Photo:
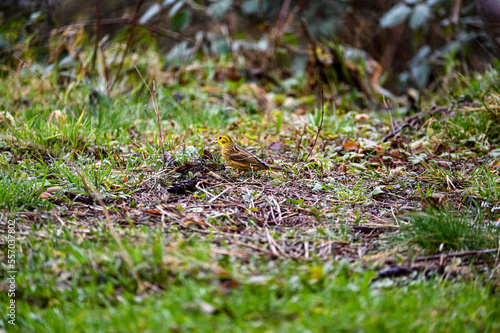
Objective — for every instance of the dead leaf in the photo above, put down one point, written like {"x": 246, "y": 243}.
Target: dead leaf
{"x": 275, "y": 146}
{"x": 436, "y": 201}
{"x": 350, "y": 146}
{"x": 5, "y": 116}
{"x": 58, "y": 117}
{"x": 234, "y": 125}
{"x": 191, "y": 218}
{"x": 361, "y": 117}
{"x": 369, "y": 144}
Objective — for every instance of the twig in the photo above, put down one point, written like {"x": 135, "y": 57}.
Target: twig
{"x": 218, "y": 195}
{"x": 127, "y": 45}
{"x": 98, "y": 33}
{"x": 455, "y": 17}
{"x": 284, "y": 20}
{"x": 282, "y": 14}
{"x": 112, "y": 21}
{"x": 157, "y": 111}
{"x": 390, "y": 115}
{"x": 319, "y": 127}
{"x": 198, "y": 187}
{"x": 275, "y": 248}
{"x": 299, "y": 143}
{"x": 309, "y": 37}
{"x": 278, "y": 208}
{"x": 58, "y": 218}
{"x": 146, "y": 179}
{"x": 498, "y": 253}
{"x": 158, "y": 118}
{"x": 411, "y": 120}
{"x": 252, "y": 246}
{"x": 394, "y": 132}
{"x": 457, "y": 254}
{"x": 51, "y": 86}
{"x": 394, "y": 215}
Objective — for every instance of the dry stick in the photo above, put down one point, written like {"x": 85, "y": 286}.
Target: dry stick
{"x": 390, "y": 115}
{"x": 98, "y": 33}
{"x": 112, "y": 21}
{"x": 51, "y": 86}
{"x": 411, "y": 120}
{"x": 127, "y": 46}
{"x": 278, "y": 208}
{"x": 319, "y": 127}
{"x": 457, "y": 254}
{"x": 456, "y": 12}
{"x": 282, "y": 14}
{"x": 284, "y": 20}
{"x": 497, "y": 267}
{"x": 158, "y": 118}
{"x": 157, "y": 111}
{"x": 124, "y": 253}
{"x": 299, "y": 143}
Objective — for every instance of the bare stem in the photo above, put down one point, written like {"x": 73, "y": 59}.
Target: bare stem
{"x": 50, "y": 84}
{"x": 157, "y": 112}
{"x": 127, "y": 46}
{"x": 98, "y": 33}
{"x": 320, "y": 125}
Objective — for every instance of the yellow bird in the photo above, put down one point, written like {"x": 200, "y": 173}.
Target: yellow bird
{"x": 239, "y": 158}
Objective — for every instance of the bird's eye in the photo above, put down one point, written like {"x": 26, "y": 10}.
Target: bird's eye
{"x": 220, "y": 137}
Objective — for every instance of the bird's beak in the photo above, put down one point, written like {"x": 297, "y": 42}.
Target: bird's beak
{"x": 214, "y": 142}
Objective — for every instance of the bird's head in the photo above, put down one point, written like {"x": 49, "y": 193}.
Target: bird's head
{"x": 224, "y": 140}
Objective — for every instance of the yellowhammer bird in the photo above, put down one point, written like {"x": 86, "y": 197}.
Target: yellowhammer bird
{"x": 239, "y": 158}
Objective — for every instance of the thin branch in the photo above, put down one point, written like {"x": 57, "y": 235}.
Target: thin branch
{"x": 50, "y": 84}
{"x": 127, "y": 45}
{"x": 457, "y": 254}
{"x": 390, "y": 115}
{"x": 112, "y": 21}
{"x": 282, "y": 15}
{"x": 413, "y": 119}
{"x": 320, "y": 125}
{"x": 157, "y": 112}
{"x": 98, "y": 35}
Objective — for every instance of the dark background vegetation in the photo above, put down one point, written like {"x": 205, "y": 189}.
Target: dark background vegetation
{"x": 413, "y": 41}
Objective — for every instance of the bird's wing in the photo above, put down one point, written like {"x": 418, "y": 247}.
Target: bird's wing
{"x": 240, "y": 155}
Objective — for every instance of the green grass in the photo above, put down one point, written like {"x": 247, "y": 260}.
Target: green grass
{"x": 448, "y": 229}
{"x": 336, "y": 307}
{"x": 19, "y": 191}
{"x": 484, "y": 183}
{"x": 69, "y": 283}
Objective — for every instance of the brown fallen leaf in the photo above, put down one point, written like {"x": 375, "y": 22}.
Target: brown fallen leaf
{"x": 361, "y": 117}
{"x": 45, "y": 195}
{"x": 350, "y": 146}
{"x": 192, "y": 218}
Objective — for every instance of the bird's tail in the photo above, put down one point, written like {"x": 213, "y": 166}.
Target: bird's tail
{"x": 282, "y": 169}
